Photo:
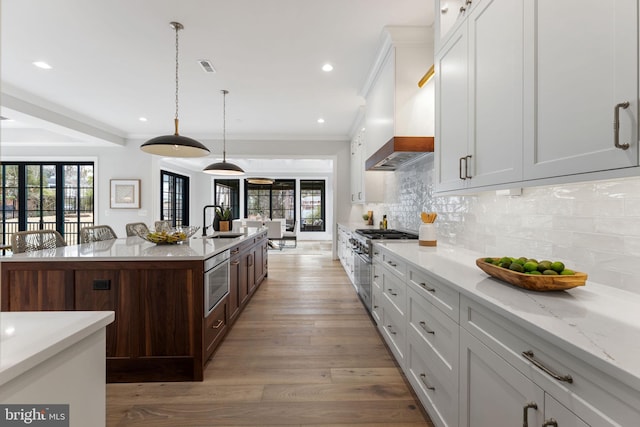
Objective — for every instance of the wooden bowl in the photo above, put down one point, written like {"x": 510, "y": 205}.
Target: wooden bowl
{"x": 533, "y": 282}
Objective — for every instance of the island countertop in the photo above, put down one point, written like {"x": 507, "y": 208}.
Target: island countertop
{"x": 131, "y": 248}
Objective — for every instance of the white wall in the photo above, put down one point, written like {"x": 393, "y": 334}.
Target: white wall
{"x": 593, "y": 227}
{"x": 128, "y": 162}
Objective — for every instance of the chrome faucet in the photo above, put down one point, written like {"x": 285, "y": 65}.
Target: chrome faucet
{"x": 204, "y": 218}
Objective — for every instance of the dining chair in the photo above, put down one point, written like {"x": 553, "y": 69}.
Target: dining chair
{"x": 135, "y": 228}
{"x": 254, "y": 223}
{"x": 35, "y": 240}
{"x": 275, "y": 233}
{"x": 97, "y": 233}
{"x": 162, "y": 225}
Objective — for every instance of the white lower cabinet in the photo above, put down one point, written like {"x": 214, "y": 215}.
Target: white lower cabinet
{"x": 492, "y": 392}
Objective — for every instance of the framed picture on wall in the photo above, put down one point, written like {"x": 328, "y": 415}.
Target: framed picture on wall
{"x": 125, "y": 194}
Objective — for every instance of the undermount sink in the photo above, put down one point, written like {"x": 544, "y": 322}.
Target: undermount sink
{"x": 224, "y": 236}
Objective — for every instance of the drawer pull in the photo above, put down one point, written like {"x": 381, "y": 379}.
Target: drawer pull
{"x": 391, "y": 329}
{"x": 531, "y": 358}
{"x": 391, "y": 293}
{"x": 375, "y": 276}
{"x": 429, "y": 289}
{"x": 423, "y": 325}
{"x": 235, "y": 251}
{"x": 235, "y": 262}
{"x": 550, "y": 422}
{"x": 525, "y": 413}
{"x": 392, "y": 264}
{"x": 423, "y": 378}
{"x": 217, "y": 326}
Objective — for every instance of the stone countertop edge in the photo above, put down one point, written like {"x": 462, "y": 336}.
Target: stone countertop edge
{"x": 596, "y": 323}
{"x": 29, "y": 338}
{"x": 135, "y": 249}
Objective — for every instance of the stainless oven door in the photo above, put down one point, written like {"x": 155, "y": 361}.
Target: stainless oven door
{"x": 216, "y": 280}
{"x": 362, "y": 277}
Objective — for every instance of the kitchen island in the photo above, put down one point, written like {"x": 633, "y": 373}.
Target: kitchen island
{"x": 162, "y": 331}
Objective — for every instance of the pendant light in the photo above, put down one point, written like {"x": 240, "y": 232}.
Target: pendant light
{"x": 259, "y": 180}
{"x": 175, "y": 145}
{"x": 224, "y": 168}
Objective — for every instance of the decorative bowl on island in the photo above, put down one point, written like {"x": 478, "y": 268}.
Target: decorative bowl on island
{"x": 171, "y": 236}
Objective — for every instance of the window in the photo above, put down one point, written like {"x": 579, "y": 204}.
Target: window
{"x": 47, "y": 196}
{"x": 312, "y": 210}
{"x": 174, "y": 198}
{"x": 271, "y": 201}
{"x": 227, "y": 193}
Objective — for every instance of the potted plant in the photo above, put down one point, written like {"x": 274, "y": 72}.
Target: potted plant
{"x": 224, "y": 216}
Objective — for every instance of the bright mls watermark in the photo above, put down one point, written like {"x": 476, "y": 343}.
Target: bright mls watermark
{"x": 34, "y": 415}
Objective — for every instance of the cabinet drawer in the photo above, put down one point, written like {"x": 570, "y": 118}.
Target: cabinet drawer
{"x": 438, "y": 294}
{"x": 215, "y": 327}
{"x": 394, "y": 264}
{"x": 434, "y": 388}
{"x": 394, "y": 332}
{"x": 395, "y": 292}
{"x": 436, "y": 332}
{"x": 594, "y": 396}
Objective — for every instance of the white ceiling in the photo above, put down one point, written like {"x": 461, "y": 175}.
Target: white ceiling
{"x": 114, "y": 61}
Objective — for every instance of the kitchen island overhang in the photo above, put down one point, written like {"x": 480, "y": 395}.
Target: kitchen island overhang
{"x": 157, "y": 292}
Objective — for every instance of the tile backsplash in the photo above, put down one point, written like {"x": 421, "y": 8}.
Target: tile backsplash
{"x": 592, "y": 226}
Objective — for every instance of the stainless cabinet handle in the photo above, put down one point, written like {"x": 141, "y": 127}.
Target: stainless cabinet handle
{"x": 235, "y": 262}
{"x": 424, "y": 285}
{"x": 550, "y": 422}
{"x": 462, "y": 9}
{"x": 531, "y": 358}
{"x": 423, "y": 325}
{"x": 525, "y": 413}
{"x": 616, "y": 125}
{"x": 466, "y": 167}
{"x": 468, "y": 2}
{"x": 220, "y": 322}
{"x": 392, "y": 264}
{"x": 391, "y": 292}
{"x": 423, "y": 378}
{"x": 375, "y": 276}
{"x": 391, "y": 329}
{"x": 460, "y": 160}
{"x": 352, "y": 198}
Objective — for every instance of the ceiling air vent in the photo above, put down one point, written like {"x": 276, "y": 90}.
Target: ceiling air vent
{"x": 206, "y": 65}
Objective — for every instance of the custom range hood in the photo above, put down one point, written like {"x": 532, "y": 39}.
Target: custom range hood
{"x": 397, "y": 151}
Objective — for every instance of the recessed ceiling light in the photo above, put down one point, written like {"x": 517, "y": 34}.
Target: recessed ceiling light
{"x": 143, "y": 119}
{"x": 320, "y": 120}
{"x": 43, "y": 65}
{"x": 327, "y": 67}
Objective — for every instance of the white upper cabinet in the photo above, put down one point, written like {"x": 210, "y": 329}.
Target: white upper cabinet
{"x": 479, "y": 98}
{"x": 532, "y": 90}
{"x": 584, "y": 62}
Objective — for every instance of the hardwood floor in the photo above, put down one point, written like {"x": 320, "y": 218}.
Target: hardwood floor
{"x": 304, "y": 352}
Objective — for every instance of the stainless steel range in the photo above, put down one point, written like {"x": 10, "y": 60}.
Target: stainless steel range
{"x": 362, "y": 243}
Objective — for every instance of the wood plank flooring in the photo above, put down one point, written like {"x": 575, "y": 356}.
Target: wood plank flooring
{"x": 304, "y": 352}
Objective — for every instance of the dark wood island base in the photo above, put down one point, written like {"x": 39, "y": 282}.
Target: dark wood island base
{"x": 160, "y": 332}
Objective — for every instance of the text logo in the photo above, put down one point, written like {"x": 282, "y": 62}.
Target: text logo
{"x": 34, "y": 415}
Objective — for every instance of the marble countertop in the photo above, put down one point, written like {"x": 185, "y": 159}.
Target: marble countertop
{"x": 29, "y": 338}
{"x": 129, "y": 248}
{"x": 596, "y": 323}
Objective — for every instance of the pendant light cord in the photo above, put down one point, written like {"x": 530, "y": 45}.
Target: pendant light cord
{"x": 224, "y": 124}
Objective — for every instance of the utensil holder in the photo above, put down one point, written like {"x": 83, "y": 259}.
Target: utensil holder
{"x": 427, "y": 235}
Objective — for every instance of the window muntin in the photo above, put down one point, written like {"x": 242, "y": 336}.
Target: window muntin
{"x": 312, "y": 205}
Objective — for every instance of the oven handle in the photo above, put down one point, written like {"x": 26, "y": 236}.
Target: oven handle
{"x": 365, "y": 259}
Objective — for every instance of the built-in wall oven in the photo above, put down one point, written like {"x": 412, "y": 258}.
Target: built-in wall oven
{"x": 216, "y": 280}
{"x": 362, "y": 244}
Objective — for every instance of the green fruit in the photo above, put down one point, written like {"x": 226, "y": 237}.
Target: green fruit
{"x": 515, "y": 266}
{"x": 532, "y": 260}
{"x": 535, "y": 272}
{"x": 505, "y": 259}
{"x": 557, "y": 266}
{"x": 530, "y": 266}
{"x": 489, "y": 260}
{"x": 506, "y": 264}
{"x": 567, "y": 272}
{"x": 520, "y": 261}
{"x": 544, "y": 265}
{"x": 550, "y": 273}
